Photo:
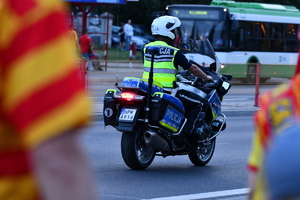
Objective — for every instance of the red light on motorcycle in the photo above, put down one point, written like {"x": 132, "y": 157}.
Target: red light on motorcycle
{"x": 129, "y": 96}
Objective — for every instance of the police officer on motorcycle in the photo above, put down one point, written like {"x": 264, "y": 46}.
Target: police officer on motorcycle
{"x": 166, "y": 64}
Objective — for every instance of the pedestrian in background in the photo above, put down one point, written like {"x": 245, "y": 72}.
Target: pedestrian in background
{"x": 86, "y": 45}
{"x": 122, "y": 37}
{"x": 42, "y": 106}
{"x": 74, "y": 39}
{"x": 128, "y": 31}
{"x": 279, "y": 110}
{"x": 96, "y": 61}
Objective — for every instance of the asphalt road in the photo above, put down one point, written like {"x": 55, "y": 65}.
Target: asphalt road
{"x": 174, "y": 177}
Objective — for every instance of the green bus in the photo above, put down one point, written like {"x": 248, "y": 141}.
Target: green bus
{"x": 244, "y": 34}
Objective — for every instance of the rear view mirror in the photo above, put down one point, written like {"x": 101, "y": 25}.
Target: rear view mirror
{"x": 213, "y": 67}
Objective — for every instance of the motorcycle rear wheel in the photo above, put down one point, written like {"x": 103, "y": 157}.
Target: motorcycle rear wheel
{"x": 135, "y": 153}
{"x": 204, "y": 152}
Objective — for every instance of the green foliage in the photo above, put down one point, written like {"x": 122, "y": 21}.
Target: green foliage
{"x": 140, "y": 12}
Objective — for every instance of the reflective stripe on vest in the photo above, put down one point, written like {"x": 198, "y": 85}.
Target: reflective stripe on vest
{"x": 162, "y": 58}
{"x": 160, "y": 70}
{"x": 163, "y": 68}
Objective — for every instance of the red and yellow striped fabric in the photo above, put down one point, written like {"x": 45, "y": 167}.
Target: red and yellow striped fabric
{"x": 40, "y": 92}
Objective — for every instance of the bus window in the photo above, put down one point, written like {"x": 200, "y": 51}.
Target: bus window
{"x": 224, "y": 40}
{"x": 277, "y": 39}
{"x": 290, "y": 35}
{"x": 201, "y": 30}
{"x": 186, "y": 28}
{"x": 252, "y": 36}
{"x": 291, "y": 46}
{"x": 253, "y": 29}
{"x": 277, "y": 31}
{"x": 240, "y": 36}
{"x": 266, "y": 30}
{"x": 290, "y": 31}
{"x": 266, "y": 36}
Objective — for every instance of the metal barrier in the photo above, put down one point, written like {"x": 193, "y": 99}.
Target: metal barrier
{"x": 257, "y": 83}
{"x": 255, "y": 72}
{"x": 246, "y": 72}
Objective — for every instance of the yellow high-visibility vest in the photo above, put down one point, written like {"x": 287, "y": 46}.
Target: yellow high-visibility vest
{"x": 164, "y": 70}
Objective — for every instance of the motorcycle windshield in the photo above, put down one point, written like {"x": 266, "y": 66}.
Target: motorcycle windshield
{"x": 201, "y": 51}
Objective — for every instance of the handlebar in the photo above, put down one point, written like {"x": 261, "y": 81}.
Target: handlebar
{"x": 197, "y": 82}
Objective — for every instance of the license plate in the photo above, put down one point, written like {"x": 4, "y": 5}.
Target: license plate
{"x": 127, "y": 115}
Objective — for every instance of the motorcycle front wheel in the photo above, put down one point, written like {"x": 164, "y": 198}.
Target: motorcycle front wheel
{"x": 135, "y": 153}
{"x": 204, "y": 152}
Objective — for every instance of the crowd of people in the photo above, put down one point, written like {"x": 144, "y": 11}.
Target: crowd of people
{"x": 83, "y": 48}
{"x": 84, "y": 44}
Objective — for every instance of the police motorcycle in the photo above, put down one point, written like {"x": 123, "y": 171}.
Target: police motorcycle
{"x": 151, "y": 118}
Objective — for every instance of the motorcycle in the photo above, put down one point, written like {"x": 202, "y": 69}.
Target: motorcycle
{"x": 151, "y": 118}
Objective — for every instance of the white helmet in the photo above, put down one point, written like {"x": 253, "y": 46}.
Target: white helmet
{"x": 164, "y": 26}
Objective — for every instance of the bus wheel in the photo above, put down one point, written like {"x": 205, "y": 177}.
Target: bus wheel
{"x": 251, "y": 74}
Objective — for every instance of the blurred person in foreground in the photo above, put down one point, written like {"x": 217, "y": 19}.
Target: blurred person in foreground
{"x": 282, "y": 165}
{"x": 279, "y": 110}
{"x": 42, "y": 106}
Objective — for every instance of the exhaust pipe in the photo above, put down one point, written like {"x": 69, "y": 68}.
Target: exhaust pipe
{"x": 155, "y": 141}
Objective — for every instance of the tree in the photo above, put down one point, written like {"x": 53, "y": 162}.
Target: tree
{"x": 140, "y": 12}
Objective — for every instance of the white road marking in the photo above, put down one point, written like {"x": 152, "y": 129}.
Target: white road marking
{"x": 206, "y": 195}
